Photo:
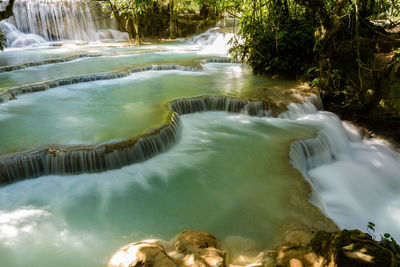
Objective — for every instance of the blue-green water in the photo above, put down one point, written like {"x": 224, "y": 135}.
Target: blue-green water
{"x": 229, "y": 174}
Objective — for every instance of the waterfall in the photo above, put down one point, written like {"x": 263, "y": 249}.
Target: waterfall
{"x": 73, "y": 160}
{"x": 11, "y": 93}
{"x": 310, "y": 153}
{"x": 211, "y": 42}
{"x": 44, "y": 62}
{"x": 119, "y": 153}
{"x": 16, "y": 38}
{"x": 354, "y": 179}
{"x": 218, "y": 60}
{"x": 55, "y": 20}
{"x": 220, "y": 103}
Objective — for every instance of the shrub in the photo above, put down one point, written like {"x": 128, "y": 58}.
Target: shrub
{"x": 274, "y": 50}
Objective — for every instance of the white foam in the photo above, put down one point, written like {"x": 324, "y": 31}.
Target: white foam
{"x": 357, "y": 179}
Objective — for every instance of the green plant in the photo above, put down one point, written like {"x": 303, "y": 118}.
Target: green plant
{"x": 390, "y": 243}
{"x": 313, "y": 70}
{"x": 371, "y": 229}
{"x": 387, "y": 241}
{"x": 315, "y": 82}
{"x": 268, "y": 49}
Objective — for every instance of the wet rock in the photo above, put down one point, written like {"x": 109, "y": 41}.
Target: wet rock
{"x": 288, "y": 256}
{"x": 298, "y": 234}
{"x": 191, "y": 248}
{"x": 200, "y": 249}
{"x": 342, "y": 248}
{"x": 351, "y": 249}
{"x": 295, "y": 251}
{"x": 194, "y": 241}
{"x": 143, "y": 254}
{"x": 243, "y": 251}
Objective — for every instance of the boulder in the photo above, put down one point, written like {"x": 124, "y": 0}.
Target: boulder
{"x": 288, "y": 255}
{"x": 242, "y": 251}
{"x": 144, "y": 254}
{"x": 351, "y": 249}
{"x": 192, "y": 248}
{"x": 200, "y": 249}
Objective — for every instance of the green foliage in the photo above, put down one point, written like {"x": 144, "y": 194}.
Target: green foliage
{"x": 275, "y": 37}
{"x": 131, "y": 8}
{"x": 315, "y": 82}
{"x": 386, "y": 241}
{"x": 283, "y": 49}
{"x": 283, "y": 36}
{"x": 386, "y": 9}
{"x": 313, "y": 70}
{"x": 390, "y": 243}
{"x": 396, "y": 54}
{"x": 162, "y": 18}
{"x": 371, "y": 227}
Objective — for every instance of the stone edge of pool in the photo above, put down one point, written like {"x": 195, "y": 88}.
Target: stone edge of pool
{"x": 54, "y": 159}
{"x": 114, "y": 154}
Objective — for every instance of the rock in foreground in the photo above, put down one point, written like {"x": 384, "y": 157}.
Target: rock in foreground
{"x": 200, "y": 249}
{"x": 192, "y": 248}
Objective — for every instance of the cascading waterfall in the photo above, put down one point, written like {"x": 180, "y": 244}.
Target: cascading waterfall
{"x": 220, "y": 103}
{"x": 210, "y": 42}
{"x": 216, "y": 178}
{"x": 44, "y": 62}
{"x": 12, "y": 93}
{"x": 218, "y": 60}
{"x": 55, "y": 20}
{"x": 16, "y": 38}
{"x": 354, "y": 179}
{"x": 113, "y": 155}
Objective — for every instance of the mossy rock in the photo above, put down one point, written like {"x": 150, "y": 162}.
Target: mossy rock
{"x": 351, "y": 249}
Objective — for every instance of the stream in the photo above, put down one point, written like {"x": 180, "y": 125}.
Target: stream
{"x": 238, "y": 161}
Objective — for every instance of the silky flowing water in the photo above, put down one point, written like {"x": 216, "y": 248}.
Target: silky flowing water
{"x": 133, "y": 105}
{"x": 214, "y": 180}
{"x": 230, "y": 174}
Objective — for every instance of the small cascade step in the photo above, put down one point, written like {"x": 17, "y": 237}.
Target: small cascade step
{"x": 116, "y": 154}
{"x": 45, "y": 62}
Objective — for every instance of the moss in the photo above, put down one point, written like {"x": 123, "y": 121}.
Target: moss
{"x": 351, "y": 248}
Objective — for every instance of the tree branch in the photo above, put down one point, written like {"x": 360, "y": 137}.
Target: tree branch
{"x": 8, "y": 11}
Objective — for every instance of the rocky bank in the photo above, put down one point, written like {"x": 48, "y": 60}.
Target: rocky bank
{"x": 347, "y": 248}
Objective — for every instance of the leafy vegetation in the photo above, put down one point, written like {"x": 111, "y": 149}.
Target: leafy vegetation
{"x": 354, "y": 57}
{"x": 286, "y": 48}
{"x": 341, "y": 47}
{"x": 161, "y": 18}
{"x": 387, "y": 241}
{"x": 283, "y": 36}
{"x": 275, "y": 37}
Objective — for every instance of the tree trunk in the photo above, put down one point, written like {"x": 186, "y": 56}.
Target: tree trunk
{"x": 330, "y": 21}
{"x": 123, "y": 22}
{"x": 137, "y": 29}
{"x": 281, "y": 10}
{"x": 171, "y": 20}
{"x": 8, "y": 11}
